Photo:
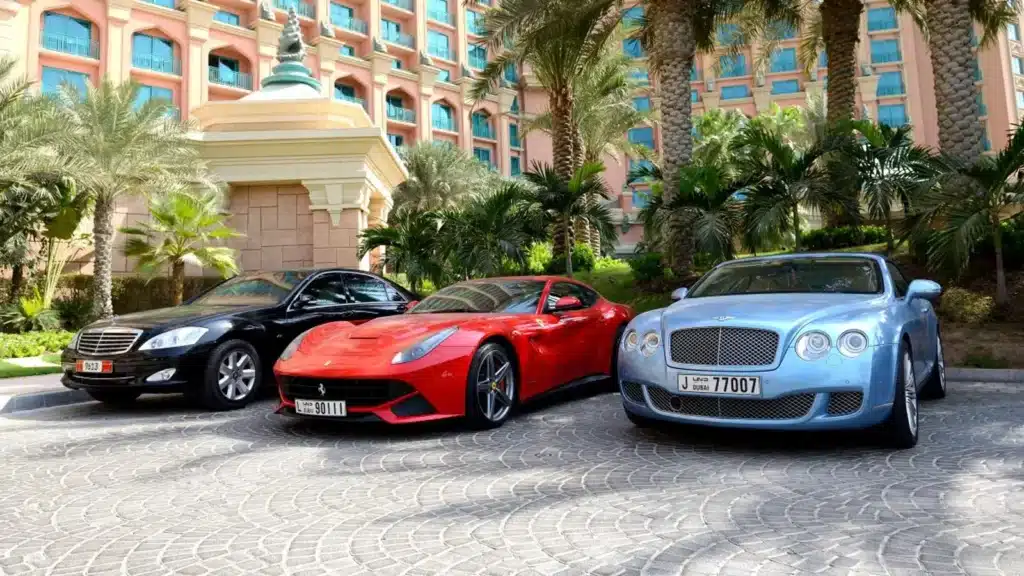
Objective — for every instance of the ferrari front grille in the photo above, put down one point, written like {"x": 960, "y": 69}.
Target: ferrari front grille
{"x": 355, "y": 392}
{"x": 843, "y": 403}
{"x": 724, "y": 346}
{"x": 783, "y": 408}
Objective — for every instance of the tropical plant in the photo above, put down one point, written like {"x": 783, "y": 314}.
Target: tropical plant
{"x": 441, "y": 176}
{"x": 966, "y": 203}
{"x": 183, "y": 227}
{"x": 124, "y": 149}
{"x": 715, "y": 132}
{"x": 29, "y": 314}
{"x": 563, "y": 201}
{"x": 410, "y": 240}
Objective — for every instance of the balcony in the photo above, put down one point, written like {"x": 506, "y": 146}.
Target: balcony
{"x": 352, "y": 99}
{"x": 301, "y": 8}
{"x": 515, "y": 141}
{"x": 441, "y": 52}
{"x": 483, "y": 131}
{"x": 879, "y": 24}
{"x": 882, "y": 57}
{"x": 353, "y": 24}
{"x": 157, "y": 64}
{"x": 228, "y": 78}
{"x": 70, "y": 45}
{"x": 403, "y": 4}
{"x": 442, "y": 16}
{"x": 400, "y": 114}
{"x": 400, "y": 38}
{"x": 442, "y": 123}
{"x": 890, "y": 90}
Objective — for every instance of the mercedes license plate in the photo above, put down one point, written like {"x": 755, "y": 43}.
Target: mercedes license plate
{"x": 720, "y": 384}
{"x": 95, "y": 366}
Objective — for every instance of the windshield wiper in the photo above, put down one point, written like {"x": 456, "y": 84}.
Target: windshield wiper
{"x": 446, "y": 311}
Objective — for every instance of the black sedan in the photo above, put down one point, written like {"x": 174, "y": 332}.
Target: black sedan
{"x": 217, "y": 347}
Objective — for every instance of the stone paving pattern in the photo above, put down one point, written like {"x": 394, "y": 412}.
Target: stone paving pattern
{"x": 569, "y": 488}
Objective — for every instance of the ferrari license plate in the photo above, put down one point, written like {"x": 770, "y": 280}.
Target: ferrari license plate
{"x": 320, "y": 407}
{"x": 95, "y": 366}
{"x": 724, "y": 385}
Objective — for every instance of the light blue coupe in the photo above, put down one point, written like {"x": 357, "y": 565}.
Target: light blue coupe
{"x": 799, "y": 342}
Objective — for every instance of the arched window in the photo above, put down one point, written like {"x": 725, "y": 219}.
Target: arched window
{"x": 482, "y": 126}
{"x": 154, "y": 53}
{"x": 63, "y": 33}
{"x": 443, "y": 117}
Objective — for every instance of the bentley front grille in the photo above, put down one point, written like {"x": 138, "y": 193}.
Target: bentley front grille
{"x": 783, "y": 408}
{"x": 843, "y": 403}
{"x": 633, "y": 392}
{"x": 107, "y": 341}
{"x": 724, "y": 346}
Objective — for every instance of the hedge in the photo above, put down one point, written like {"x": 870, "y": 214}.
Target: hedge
{"x": 33, "y": 343}
{"x": 842, "y": 237}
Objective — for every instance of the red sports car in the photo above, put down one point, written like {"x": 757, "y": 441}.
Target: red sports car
{"x": 473, "y": 349}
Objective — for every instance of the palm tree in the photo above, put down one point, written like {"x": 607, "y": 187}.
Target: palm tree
{"x": 886, "y": 168}
{"x": 124, "y": 149}
{"x": 184, "y": 224}
{"x": 967, "y": 203}
{"x": 563, "y": 201}
{"x": 781, "y": 178}
{"x": 410, "y": 239}
{"x": 440, "y": 176}
{"x": 29, "y": 127}
{"x": 716, "y": 131}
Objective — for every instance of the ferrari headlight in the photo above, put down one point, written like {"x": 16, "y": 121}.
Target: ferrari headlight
{"x": 650, "y": 344}
{"x": 289, "y": 350}
{"x": 423, "y": 347}
{"x": 852, "y": 343}
{"x": 175, "y": 338}
{"x": 632, "y": 340}
{"x": 73, "y": 345}
{"x": 813, "y": 345}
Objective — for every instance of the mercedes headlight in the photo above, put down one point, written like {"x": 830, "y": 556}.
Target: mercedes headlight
{"x": 650, "y": 344}
{"x": 632, "y": 340}
{"x": 423, "y": 347}
{"x": 292, "y": 346}
{"x": 852, "y": 343}
{"x": 175, "y": 338}
{"x": 813, "y": 345}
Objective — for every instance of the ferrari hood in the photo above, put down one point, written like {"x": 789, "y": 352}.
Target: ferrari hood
{"x": 383, "y": 336}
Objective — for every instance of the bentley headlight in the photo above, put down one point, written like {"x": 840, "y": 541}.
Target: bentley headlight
{"x": 289, "y": 350}
{"x": 650, "y": 344}
{"x": 813, "y": 345}
{"x": 632, "y": 340}
{"x": 852, "y": 343}
{"x": 175, "y": 338}
{"x": 423, "y": 347}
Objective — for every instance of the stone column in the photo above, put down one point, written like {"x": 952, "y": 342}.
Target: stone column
{"x": 505, "y": 98}
{"x": 425, "y": 126}
{"x": 118, "y": 51}
{"x": 341, "y": 211}
{"x": 420, "y": 8}
{"x": 867, "y": 86}
{"x": 762, "y": 99}
{"x": 194, "y": 61}
{"x": 465, "y": 113}
{"x": 267, "y": 35}
{"x": 373, "y": 20}
{"x": 328, "y": 49}
{"x": 380, "y": 67}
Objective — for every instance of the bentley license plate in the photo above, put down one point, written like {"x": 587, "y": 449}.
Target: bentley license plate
{"x": 94, "y": 366}
{"x": 724, "y": 385}
{"x": 335, "y": 408}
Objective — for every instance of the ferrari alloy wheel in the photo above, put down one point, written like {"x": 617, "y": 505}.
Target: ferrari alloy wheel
{"x": 935, "y": 387}
{"x": 901, "y": 429}
{"x": 492, "y": 387}
{"x": 233, "y": 376}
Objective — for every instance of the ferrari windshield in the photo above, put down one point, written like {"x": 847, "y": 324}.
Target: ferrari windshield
{"x": 481, "y": 296}
{"x": 792, "y": 275}
{"x": 265, "y": 289}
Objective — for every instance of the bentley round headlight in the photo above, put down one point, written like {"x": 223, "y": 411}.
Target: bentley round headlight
{"x": 632, "y": 340}
{"x": 650, "y": 343}
{"x": 813, "y": 345}
{"x": 852, "y": 343}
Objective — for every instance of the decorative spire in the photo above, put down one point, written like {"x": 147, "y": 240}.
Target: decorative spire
{"x": 290, "y": 47}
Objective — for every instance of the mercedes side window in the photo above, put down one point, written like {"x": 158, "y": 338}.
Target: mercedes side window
{"x": 366, "y": 289}
{"x": 324, "y": 290}
{"x": 899, "y": 282}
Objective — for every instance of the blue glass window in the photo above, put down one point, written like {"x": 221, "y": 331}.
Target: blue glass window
{"x": 513, "y": 136}
{"x": 514, "y": 108}
{"x": 640, "y": 199}
{"x": 733, "y": 65}
{"x": 164, "y": 3}
{"x": 515, "y": 166}
{"x": 786, "y": 87}
{"x": 633, "y": 164}
{"x": 631, "y": 47}
{"x": 640, "y": 76}
{"x": 728, "y": 33}
{"x": 438, "y": 10}
{"x": 784, "y": 60}
{"x": 347, "y": 50}
{"x": 153, "y": 53}
{"x": 54, "y": 77}
{"x": 483, "y": 155}
{"x": 892, "y": 114}
{"x": 986, "y": 144}
{"x": 1020, "y": 99}
{"x": 63, "y": 33}
{"x": 390, "y": 29}
{"x": 344, "y": 92}
{"x": 642, "y": 136}
{"x": 147, "y": 93}
{"x": 783, "y": 30}
{"x": 694, "y": 96}
{"x": 439, "y": 45}
{"x": 982, "y": 109}
{"x": 885, "y": 50}
{"x": 474, "y": 22}
{"x": 482, "y": 125}
{"x": 511, "y": 74}
{"x": 734, "y": 92}
{"x": 823, "y": 60}
{"x": 694, "y": 73}
{"x": 642, "y": 103}
{"x": 228, "y": 18}
{"x": 1017, "y": 63}
{"x": 227, "y": 67}
{"x": 397, "y": 140}
{"x": 396, "y": 64}
{"x": 633, "y": 16}
{"x": 881, "y": 19}
{"x": 890, "y": 84}
{"x": 444, "y": 75}
{"x": 1013, "y": 32}
{"x": 443, "y": 117}
{"x": 477, "y": 56}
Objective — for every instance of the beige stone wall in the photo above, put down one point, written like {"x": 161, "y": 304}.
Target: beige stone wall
{"x": 277, "y": 224}
{"x": 337, "y": 244}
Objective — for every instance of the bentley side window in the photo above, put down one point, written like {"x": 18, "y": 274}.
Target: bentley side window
{"x": 898, "y": 281}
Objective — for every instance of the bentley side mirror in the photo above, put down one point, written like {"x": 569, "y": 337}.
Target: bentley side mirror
{"x": 679, "y": 294}
{"x": 568, "y": 303}
{"x": 924, "y": 289}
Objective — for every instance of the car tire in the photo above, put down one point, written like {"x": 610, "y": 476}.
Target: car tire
{"x": 115, "y": 397}
{"x": 902, "y": 428}
{"x": 935, "y": 387}
{"x": 612, "y": 383}
{"x": 233, "y": 377}
{"x": 491, "y": 387}
{"x": 640, "y": 421}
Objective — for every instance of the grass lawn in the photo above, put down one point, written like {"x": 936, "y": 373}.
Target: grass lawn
{"x": 8, "y": 370}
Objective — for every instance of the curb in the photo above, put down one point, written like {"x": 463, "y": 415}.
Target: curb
{"x": 23, "y": 402}
{"x": 985, "y": 375}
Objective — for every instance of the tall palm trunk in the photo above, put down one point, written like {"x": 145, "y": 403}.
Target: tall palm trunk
{"x": 583, "y": 230}
{"x": 103, "y": 236}
{"x": 178, "y": 282}
{"x": 1002, "y": 294}
{"x": 561, "y": 101}
{"x": 796, "y": 228}
{"x": 949, "y": 38}
{"x": 567, "y": 246}
{"x": 17, "y": 279}
{"x": 841, "y": 32}
{"x": 889, "y": 240}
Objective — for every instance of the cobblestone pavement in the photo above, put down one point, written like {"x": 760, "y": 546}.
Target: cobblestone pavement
{"x": 569, "y": 488}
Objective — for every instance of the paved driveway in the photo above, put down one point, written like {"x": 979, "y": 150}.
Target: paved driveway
{"x": 570, "y": 488}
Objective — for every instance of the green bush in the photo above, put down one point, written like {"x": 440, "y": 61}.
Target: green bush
{"x": 582, "y": 260}
{"x": 606, "y": 263}
{"x": 539, "y": 257}
{"x": 962, "y": 305}
{"x": 75, "y": 311}
{"x": 134, "y": 294}
{"x": 1012, "y": 234}
{"x": 33, "y": 343}
{"x": 647, "y": 267}
{"x": 842, "y": 237}
{"x": 28, "y": 314}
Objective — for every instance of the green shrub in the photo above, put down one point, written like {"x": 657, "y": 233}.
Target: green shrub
{"x": 539, "y": 257}
{"x": 606, "y": 263}
{"x": 647, "y": 267}
{"x": 75, "y": 311}
{"x": 134, "y": 294}
{"x": 842, "y": 237}
{"x": 582, "y": 260}
{"x": 962, "y": 305}
{"x": 28, "y": 314}
{"x": 33, "y": 343}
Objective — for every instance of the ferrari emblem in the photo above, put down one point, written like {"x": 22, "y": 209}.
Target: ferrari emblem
{"x": 322, "y": 390}
{"x": 328, "y": 363}
{"x": 723, "y": 318}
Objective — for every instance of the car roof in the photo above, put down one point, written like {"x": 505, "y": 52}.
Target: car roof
{"x": 798, "y": 255}
{"x": 538, "y": 278}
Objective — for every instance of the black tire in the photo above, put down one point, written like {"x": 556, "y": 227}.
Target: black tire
{"x": 476, "y": 415}
{"x": 935, "y": 387}
{"x": 640, "y": 421}
{"x": 209, "y": 392}
{"x": 115, "y": 397}
{"x": 902, "y": 428}
{"x": 612, "y": 383}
